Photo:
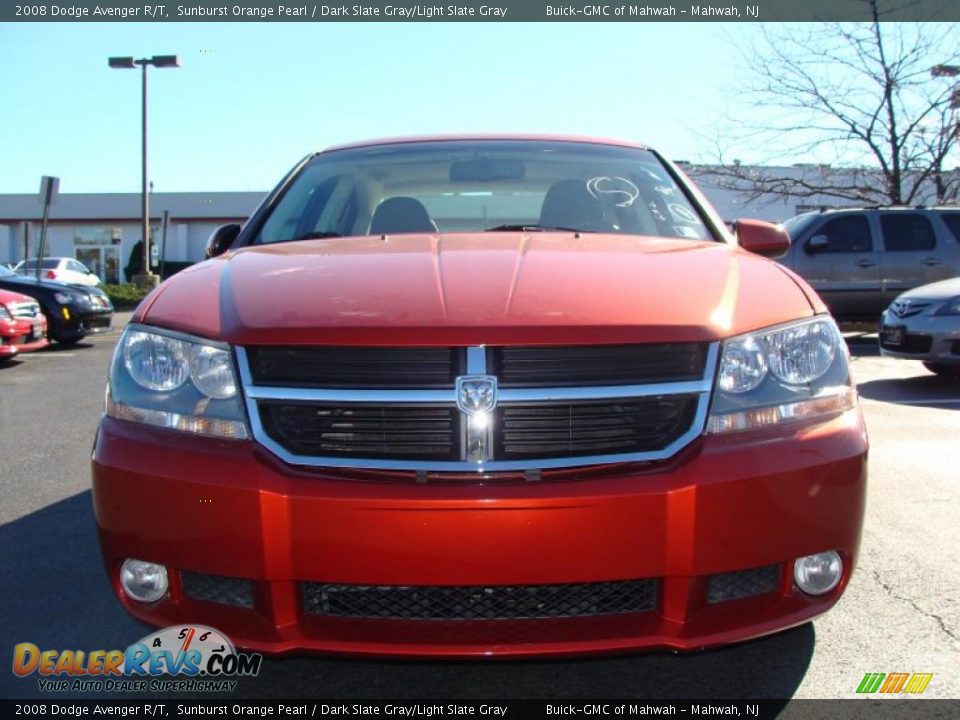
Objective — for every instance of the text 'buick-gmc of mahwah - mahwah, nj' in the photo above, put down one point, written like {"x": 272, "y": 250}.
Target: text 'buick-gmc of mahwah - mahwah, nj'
{"x": 482, "y": 396}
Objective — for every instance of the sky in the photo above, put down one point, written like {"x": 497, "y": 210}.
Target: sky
{"x": 252, "y": 99}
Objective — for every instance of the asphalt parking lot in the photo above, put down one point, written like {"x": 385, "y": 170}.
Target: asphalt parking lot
{"x": 901, "y": 612}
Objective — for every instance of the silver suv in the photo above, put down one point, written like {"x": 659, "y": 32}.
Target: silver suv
{"x": 860, "y": 259}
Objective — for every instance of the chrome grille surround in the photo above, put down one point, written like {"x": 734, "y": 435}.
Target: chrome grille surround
{"x": 25, "y": 309}
{"x": 477, "y": 365}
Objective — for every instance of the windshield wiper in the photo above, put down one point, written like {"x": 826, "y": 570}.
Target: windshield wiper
{"x": 316, "y": 235}
{"x": 532, "y": 228}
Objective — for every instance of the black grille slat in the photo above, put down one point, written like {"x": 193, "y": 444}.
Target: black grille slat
{"x": 355, "y": 367}
{"x": 217, "y": 589}
{"x": 614, "y": 426}
{"x": 743, "y": 584}
{"x": 598, "y": 364}
{"x": 517, "y": 602}
{"x": 409, "y": 431}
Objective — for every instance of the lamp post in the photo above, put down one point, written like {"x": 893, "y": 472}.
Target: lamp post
{"x": 146, "y": 278}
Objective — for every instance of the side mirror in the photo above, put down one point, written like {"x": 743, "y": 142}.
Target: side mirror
{"x": 762, "y": 238}
{"x": 818, "y": 243}
{"x": 221, "y": 239}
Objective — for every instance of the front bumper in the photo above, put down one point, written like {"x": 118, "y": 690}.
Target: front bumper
{"x": 229, "y": 509}
{"x": 21, "y": 335}
{"x": 930, "y": 338}
{"x": 80, "y": 323}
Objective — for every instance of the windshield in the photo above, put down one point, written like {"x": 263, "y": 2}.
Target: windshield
{"x": 796, "y": 226}
{"x": 483, "y": 186}
{"x": 45, "y": 264}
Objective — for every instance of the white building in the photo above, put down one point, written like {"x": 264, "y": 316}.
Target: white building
{"x": 101, "y": 229}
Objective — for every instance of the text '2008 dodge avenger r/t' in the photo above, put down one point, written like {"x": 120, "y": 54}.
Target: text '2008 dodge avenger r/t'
{"x": 468, "y": 396}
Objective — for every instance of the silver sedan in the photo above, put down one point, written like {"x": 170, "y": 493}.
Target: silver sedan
{"x": 924, "y": 324}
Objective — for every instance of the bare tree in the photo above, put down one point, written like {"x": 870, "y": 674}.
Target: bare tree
{"x": 860, "y": 96}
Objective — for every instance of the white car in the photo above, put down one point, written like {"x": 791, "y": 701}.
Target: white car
{"x": 59, "y": 269}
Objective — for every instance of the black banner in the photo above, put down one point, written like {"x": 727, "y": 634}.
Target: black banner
{"x": 872, "y": 709}
{"x": 474, "y": 11}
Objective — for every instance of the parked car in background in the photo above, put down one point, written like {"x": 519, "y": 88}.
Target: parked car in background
{"x": 858, "y": 260}
{"x": 924, "y": 324}
{"x": 23, "y": 327}
{"x": 72, "y": 311}
{"x": 466, "y": 397}
{"x": 59, "y": 269}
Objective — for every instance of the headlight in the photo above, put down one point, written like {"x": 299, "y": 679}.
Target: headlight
{"x": 175, "y": 381}
{"x": 156, "y": 362}
{"x": 211, "y": 370}
{"x": 64, "y": 298}
{"x": 950, "y": 307}
{"x": 792, "y": 372}
{"x": 5, "y": 314}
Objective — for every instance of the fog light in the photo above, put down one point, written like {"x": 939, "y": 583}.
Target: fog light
{"x": 143, "y": 581}
{"x": 818, "y": 574}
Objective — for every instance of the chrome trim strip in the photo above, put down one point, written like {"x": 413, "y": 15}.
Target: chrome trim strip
{"x": 700, "y": 387}
{"x": 515, "y": 395}
{"x": 476, "y": 360}
{"x": 382, "y": 397}
{"x": 599, "y": 392}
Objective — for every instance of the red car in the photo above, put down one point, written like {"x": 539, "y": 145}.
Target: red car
{"x": 23, "y": 328}
{"x": 482, "y": 396}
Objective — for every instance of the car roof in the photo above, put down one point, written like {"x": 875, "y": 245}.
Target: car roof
{"x": 486, "y": 136}
{"x": 886, "y": 208}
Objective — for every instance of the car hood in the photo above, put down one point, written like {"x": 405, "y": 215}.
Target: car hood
{"x": 493, "y": 288}
{"x": 31, "y": 281}
{"x": 943, "y": 290}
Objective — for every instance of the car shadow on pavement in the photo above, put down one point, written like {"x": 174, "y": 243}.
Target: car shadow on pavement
{"x": 863, "y": 345}
{"x": 55, "y": 347}
{"x": 930, "y": 391}
{"x": 57, "y": 597}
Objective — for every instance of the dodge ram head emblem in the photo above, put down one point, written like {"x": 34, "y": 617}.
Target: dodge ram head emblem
{"x": 476, "y": 394}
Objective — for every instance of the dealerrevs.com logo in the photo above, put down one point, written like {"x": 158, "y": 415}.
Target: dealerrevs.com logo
{"x": 897, "y": 682}
{"x": 199, "y": 659}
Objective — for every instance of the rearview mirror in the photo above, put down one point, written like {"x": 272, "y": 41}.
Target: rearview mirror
{"x": 221, "y": 239}
{"x": 762, "y": 238}
{"x": 818, "y": 243}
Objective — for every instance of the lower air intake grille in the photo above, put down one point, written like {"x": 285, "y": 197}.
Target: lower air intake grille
{"x": 918, "y": 344}
{"x": 217, "y": 589}
{"x": 633, "y": 425}
{"x": 516, "y": 602}
{"x": 743, "y": 583}
{"x": 421, "y": 432}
